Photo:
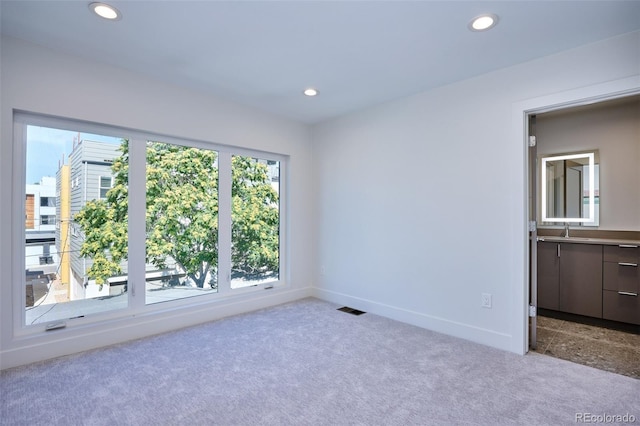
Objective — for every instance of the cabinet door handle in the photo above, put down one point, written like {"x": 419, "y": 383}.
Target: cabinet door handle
{"x": 627, "y": 293}
{"x": 558, "y": 250}
{"x": 635, "y": 265}
{"x": 627, "y": 246}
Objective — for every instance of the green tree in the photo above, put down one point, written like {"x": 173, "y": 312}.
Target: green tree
{"x": 182, "y": 215}
{"x": 255, "y": 218}
{"x": 104, "y": 224}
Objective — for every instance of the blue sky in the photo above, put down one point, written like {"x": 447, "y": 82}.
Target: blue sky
{"x": 47, "y": 147}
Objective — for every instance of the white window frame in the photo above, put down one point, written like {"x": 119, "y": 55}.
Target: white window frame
{"x": 136, "y": 232}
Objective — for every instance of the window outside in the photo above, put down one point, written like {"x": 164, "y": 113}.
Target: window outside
{"x": 48, "y": 220}
{"x": 76, "y": 210}
{"x": 255, "y": 215}
{"x": 47, "y": 201}
{"x": 106, "y": 182}
{"x": 181, "y": 222}
{"x": 65, "y": 277}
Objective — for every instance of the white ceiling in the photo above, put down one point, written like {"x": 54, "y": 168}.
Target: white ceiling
{"x": 356, "y": 53}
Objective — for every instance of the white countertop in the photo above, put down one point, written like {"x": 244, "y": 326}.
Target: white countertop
{"x": 582, "y": 240}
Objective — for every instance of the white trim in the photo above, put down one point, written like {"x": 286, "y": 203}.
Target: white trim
{"x": 519, "y": 317}
{"x": 137, "y": 224}
{"x": 430, "y": 322}
{"x": 224, "y": 222}
{"x": 18, "y": 234}
{"x": 75, "y": 125}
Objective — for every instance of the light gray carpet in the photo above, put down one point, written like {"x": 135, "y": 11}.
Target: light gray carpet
{"x": 305, "y": 363}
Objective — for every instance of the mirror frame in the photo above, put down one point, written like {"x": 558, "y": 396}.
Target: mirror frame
{"x": 544, "y": 160}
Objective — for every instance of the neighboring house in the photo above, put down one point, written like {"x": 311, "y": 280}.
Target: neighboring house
{"x": 90, "y": 178}
{"x": 40, "y": 223}
{"x": 273, "y": 168}
{"x": 41, "y": 256}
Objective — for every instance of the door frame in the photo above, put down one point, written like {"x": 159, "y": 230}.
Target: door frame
{"x": 522, "y": 111}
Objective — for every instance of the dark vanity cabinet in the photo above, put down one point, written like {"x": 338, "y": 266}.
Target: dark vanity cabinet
{"x": 594, "y": 280}
{"x": 570, "y": 278}
{"x": 621, "y": 283}
{"x": 581, "y": 279}
{"x": 548, "y": 276}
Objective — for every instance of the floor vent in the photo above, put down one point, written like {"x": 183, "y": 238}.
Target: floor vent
{"x": 351, "y": 310}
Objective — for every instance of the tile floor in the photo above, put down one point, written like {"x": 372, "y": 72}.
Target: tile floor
{"x": 598, "y": 347}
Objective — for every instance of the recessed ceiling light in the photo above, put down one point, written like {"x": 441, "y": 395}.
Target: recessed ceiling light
{"x": 310, "y": 91}
{"x": 105, "y": 11}
{"x": 483, "y": 22}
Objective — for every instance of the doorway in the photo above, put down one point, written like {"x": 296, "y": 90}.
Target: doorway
{"x": 600, "y": 341}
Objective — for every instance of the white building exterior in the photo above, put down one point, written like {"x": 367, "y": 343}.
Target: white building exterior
{"x": 40, "y": 224}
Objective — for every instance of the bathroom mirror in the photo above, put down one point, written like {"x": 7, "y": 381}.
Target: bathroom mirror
{"x": 569, "y": 188}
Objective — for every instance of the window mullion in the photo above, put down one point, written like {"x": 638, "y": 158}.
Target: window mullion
{"x": 137, "y": 223}
{"x": 224, "y": 222}
{"x": 18, "y": 232}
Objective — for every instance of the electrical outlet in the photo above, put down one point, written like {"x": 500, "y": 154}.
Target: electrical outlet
{"x": 486, "y": 300}
{"x": 323, "y": 270}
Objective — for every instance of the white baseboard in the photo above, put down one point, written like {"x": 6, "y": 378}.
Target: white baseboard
{"x": 441, "y": 325}
{"x": 69, "y": 341}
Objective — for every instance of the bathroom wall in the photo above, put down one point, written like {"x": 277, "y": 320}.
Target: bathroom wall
{"x": 613, "y": 128}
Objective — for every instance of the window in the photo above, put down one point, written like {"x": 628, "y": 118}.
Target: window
{"x": 106, "y": 182}
{"x": 47, "y": 220}
{"x": 47, "y": 201}
{"x": 181, "y": 221}
{"x": 206, "y": 219}
{"x": 255, "y": 215}
{"x": 66, "y": 276}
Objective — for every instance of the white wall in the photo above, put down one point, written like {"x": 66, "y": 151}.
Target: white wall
{"x": 39, "y": 80}
{"x": 421, "y": 202}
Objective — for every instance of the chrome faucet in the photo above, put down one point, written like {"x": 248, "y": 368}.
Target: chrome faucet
{"x": 566, "y": 229}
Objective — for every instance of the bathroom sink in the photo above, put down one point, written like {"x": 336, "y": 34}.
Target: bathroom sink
{"x": 566, "y": 239}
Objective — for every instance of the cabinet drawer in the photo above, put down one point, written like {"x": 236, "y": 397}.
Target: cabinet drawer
{"x": 621, "y": 308}
{"x": 622, "y": 253}
{"x": 621, "y": 277}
